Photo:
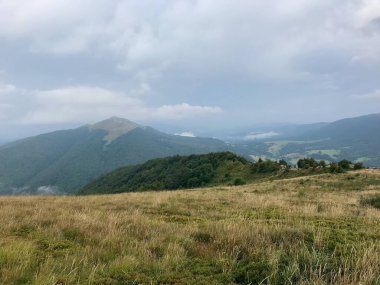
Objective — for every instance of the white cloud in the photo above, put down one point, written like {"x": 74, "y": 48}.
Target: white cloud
{"x": 7, "y": 88}
{"x": 48, "y": 190}
{"x": 371, "y": 95}
{"x": 4, "y": 107}
{"x": 254, "y": 37}
{"x": 186, "y": 134}
{"x": 302, "y": 47}
{"x": 56, "y": 26}
{"x": 89, "y": 104}
{"x": 8, "y": 100}
{"x": 369, "y": 11}
{"x": 184, "y": 110}
{"x": 260, "y": 136}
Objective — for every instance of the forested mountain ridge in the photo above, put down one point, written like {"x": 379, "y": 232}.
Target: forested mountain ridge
{"x": 182, "y": 172}
{"x": 64, "y": 161}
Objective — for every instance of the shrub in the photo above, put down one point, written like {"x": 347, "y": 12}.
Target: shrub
{"x": 306, "y": 163}
{"x": 239, "y": 181}
{"x": 345, "y": 164}
{"x": 265, "y": 166}
{"x": 335, "y": 168}
{"x": 358, "y": 165}
{"x": 283, "y": 163}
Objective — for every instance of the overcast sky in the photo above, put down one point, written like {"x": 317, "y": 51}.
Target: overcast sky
{"x": 193, "y": 64}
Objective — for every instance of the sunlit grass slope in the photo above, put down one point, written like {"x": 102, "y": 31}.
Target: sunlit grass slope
{"x": 308, "y": 230}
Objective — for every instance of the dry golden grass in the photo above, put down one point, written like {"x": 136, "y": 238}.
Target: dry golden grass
{"x": 309, "y": 230}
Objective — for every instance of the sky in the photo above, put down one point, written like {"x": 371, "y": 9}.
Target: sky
{"x": 186, "y": 66}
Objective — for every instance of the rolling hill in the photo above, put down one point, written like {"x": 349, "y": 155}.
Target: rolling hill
{"x": 356, "y": 139}
{"x": 64, "y": 161}
{"x": 349, "y": 130}
{"x": 179, "y": 172}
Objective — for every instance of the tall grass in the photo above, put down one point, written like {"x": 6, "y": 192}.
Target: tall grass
{"x": 309, "y": 230}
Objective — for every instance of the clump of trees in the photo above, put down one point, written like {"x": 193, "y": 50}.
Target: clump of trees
{"x": 176, "y": 172}
{"x": 307, "y": 163}
{"x": 358, "y": 165}
{"x": 266, "y": 166}
{"x": 184, "y": 172}
{"x": 334, "y": 167}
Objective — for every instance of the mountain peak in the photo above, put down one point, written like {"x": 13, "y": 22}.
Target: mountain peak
{"x": 115, "y": 127}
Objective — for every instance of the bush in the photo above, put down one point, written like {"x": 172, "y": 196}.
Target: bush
{"x": 239, "y": 181}
{"x": 265, "y": 166}
{"x": 345, "y": 164}
{"x": 306, "y": 163}
{"x": 358, "y": 165}
{"x": 335, "y": 168}
{"x": 283, "y": 163}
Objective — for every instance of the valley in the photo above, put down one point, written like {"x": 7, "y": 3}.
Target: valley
{"x": 189, "y": 142}
{"x": 356, "y": 139}
{"x": 63, "y": 162}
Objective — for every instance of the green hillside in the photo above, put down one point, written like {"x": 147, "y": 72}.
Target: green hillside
{"x": 179, "y": 172}
{"x": 22, "y": 160}
{"x": 64, "y": 161}
{"x": 350, "y": 129}
{"x": 356, "y": 139}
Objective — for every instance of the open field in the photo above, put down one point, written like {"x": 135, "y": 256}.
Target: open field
{"x": 308, "y": 230}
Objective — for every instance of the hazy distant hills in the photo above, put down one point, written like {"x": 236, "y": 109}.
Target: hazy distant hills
{"x": 64, "y": 161}
{"x": 350, "y": 130}
{"x": 356, "y": 139}
{"x": 274, "y": 131}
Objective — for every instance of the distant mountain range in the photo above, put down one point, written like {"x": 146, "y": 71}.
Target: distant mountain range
{"x": 64, "y": 161}
{"x": 356, "y": 139}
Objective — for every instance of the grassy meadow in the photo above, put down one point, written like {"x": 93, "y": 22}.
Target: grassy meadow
{"x": 322, "y": 229}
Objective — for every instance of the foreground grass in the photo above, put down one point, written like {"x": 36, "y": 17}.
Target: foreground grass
{"x": 309, "y": 230}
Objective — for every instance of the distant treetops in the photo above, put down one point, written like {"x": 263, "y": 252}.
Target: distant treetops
{"x": 184, "y": 172}
{"x": 334, "y": 167}
{"x": 194, "y": 171}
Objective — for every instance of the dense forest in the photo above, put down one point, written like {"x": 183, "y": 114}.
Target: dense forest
{"x": 184, "y": 172}
{"x": 178, "y": 172}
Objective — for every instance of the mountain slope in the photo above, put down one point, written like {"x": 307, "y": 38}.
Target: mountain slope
{"x": 178, "y": 172}
{"x": 350, "y": 129}
{"x": 64, "y": 161}
{"x": 356, "y": 139}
